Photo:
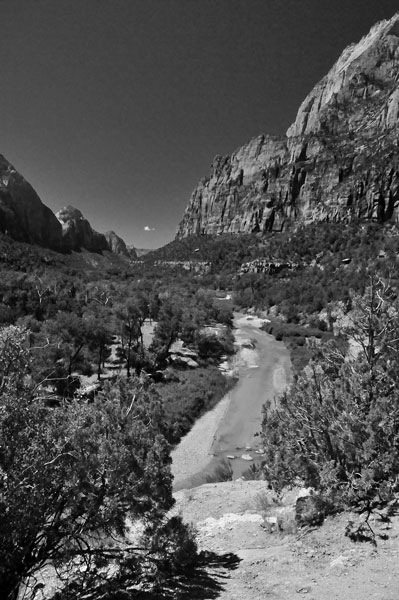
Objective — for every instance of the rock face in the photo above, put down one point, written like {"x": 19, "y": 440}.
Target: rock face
{"x": 23, "y": 216}
{"x": 77, "y": 231}
{"x": 338, "y": 161}
{"x": 118, "y": 246}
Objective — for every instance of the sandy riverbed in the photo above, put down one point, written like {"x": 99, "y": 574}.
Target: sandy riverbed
{"x": 231, "y": 427}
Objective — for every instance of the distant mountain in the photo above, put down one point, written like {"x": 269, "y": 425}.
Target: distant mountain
{"x": 78, "y": 233}
{"x": 338, "y": 160}
{"x": 118, "y": 246}
{"x": 141, "y": 251}
{"x": 25, "y": 218}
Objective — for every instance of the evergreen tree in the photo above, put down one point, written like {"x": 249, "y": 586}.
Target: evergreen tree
{"x": 337, "y": 428}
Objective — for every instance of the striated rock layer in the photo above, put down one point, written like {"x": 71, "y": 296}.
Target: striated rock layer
{"x": 338, "y": 160}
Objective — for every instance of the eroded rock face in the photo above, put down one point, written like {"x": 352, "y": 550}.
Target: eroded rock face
{"x": 77, "y": 231}
{"x": 118, "y": 246}
{"x": 23, "y": 216}
{"x": 338, "y": 160}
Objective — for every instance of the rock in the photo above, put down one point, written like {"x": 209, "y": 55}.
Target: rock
{"x": 339, "y": 562}
{"x": 77, "y": 231}
{"x": 183, "y": 361}
{"x": 117, "y": 245}
{"x": 246, "y": 457}
{"x": 304, "y": 590}
{"x": 23, "y": 216}
{"x": 337, "y": 162}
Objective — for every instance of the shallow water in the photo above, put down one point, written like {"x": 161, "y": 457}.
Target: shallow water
{"x": 237, "y": 432}
{"x": 263, "y": 373}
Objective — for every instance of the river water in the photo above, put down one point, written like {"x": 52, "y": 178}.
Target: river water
{"x": 231, "y": 429}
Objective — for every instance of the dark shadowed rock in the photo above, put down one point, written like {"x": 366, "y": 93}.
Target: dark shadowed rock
{"x": 77, "y": 231}
{"x": 23, "y": 216}
{"x": 337, "y": 162}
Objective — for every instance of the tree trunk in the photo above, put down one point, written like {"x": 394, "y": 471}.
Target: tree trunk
{"x": 99, "y": 363}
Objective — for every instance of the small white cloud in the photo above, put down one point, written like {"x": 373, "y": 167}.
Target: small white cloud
{"x": 147, "y": 228}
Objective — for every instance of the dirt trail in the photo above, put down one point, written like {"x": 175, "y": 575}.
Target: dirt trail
{"x": 230, "y": 428}
{"x": 318, "y": 564}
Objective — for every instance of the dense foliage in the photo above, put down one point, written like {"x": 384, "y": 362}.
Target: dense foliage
{"x": 76, "y": 470}
{"x": 74, "y": 477}
{"x": 337, "y": 428}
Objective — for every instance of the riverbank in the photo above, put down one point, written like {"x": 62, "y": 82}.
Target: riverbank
{"x": 264, "y": 369}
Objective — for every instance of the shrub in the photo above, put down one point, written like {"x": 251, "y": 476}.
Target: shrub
{"x": 337, "y": 428}
{"x": 223, "y": 472}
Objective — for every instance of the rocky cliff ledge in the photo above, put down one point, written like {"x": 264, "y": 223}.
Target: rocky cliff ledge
{"x": 338, "y": 160}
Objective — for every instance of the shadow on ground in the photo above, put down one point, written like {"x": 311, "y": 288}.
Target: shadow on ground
{"x": 204, "y": 582}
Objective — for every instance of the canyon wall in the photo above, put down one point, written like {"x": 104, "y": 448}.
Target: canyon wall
{"x": 337, "y": 161}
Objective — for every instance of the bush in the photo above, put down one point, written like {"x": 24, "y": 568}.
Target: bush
{"x": 337, "y": 428}
{"x": 185, "y": 400}
{"x": 223, "y": 472}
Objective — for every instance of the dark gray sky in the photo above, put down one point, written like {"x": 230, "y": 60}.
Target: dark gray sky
{"x": 118, "y": 107}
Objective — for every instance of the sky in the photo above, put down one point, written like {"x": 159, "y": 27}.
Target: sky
{"x": 118, "y": 107}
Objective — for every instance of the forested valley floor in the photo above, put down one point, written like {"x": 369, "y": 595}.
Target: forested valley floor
{"x": 91, "y": 405}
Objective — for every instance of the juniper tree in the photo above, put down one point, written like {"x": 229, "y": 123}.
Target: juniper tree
{"x": 337, "y": 427}
{"x": 73, "y": 478}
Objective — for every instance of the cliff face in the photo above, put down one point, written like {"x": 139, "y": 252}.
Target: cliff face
{"x": 23, "y": 216}
{"x": 118, "y": 246}
{"x": 338, "y": 160}
{"x": 77, "y": 231}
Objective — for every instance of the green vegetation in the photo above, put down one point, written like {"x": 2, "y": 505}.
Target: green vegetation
{"x": 337, "y": 428}
{"x": 71, "y": 478}
{"x": 77, "y": 470}
{"x": 194, "y": 393}
{"x": 74, "y": 468}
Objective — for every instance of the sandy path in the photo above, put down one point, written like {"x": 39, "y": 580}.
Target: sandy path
{"x": 232, "y": 425}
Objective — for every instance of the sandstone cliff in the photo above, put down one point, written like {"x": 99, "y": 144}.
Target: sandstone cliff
{"x": 118, "y": 246}
{"x": 78, "y": 233}
{"x": 337, "y": 161}
{"x": 23, "y": 216}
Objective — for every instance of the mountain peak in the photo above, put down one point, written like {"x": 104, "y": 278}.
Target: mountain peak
{"x": 375, "y": 56}
{"x": 338, "y": 160}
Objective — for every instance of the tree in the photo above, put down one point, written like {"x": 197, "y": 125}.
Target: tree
{"x": 167, "y": 330}
{"x": 61, "y": 349}
{"x": 97, "y": 319}
{"x": 337, "y": 428}
{"x": 131, "y": 316}
{"x": 72, "y": 479}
